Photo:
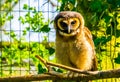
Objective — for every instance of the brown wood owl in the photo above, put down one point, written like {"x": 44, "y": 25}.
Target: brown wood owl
{"x": 74, "y": 44}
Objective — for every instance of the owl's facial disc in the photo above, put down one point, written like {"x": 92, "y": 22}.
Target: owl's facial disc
{"x": 68, "y": 27}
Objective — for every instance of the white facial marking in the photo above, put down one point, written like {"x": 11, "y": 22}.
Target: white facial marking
{"x": 71, "y": 34}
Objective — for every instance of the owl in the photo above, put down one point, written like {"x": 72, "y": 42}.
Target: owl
{"x": 74, "y": 43}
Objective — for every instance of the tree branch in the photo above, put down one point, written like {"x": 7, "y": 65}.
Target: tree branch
{"x": 59, "y": 76}
{"x": 52, "y": 75}
{"x": 63, "y": 66}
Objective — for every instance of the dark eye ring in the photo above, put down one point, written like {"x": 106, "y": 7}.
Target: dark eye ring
{"x": 73, "y": 22}
{"x": 63, "y": 24}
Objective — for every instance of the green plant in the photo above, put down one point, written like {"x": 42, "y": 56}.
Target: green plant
{"x": 22, "y": 53}
{"x": 35, "y": 20}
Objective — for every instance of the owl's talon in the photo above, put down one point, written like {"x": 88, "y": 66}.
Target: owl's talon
{"x": 72, "y": 74}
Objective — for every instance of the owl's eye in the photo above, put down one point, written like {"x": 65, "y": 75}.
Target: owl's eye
{"x": 63, "y": 24}
{"x": 73, "y": 22}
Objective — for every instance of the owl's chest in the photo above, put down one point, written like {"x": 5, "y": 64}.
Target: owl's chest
{"x": 70, "y": 47}
{"x": 76, "y": 52}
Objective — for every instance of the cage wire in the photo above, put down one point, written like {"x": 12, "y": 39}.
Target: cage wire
{"x": 16, "y": 56}
{"x": 11, "y": 34}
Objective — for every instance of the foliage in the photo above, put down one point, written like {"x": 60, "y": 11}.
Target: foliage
{"x": 117, "y": 60}
{"x": 20, "y": 53}
{"x": 35, "y": 20}
{"x": 6, "y": 5}
{"x": 102, "y": 17}
{"x": 36, "y": 23}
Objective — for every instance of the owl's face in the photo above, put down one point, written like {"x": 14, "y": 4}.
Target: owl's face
{"x": 68, "y": 23}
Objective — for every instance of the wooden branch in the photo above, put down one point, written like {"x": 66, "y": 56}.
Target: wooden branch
{"x": 38, "y": 77}
{"x": 88, "y": 75}
{"x": 64, "y": 67}
{"x": 47, "y": 76}
{"x": 52, "y": 75}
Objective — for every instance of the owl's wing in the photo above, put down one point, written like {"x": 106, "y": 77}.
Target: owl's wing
{"x": 88, "y": 36}
{"x": 95, "y": 64}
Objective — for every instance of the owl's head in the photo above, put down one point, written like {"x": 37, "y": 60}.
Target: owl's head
{"x": 68, "y": 23}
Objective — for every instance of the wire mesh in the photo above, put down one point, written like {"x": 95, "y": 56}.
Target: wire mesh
{"x": 11, "y": 33}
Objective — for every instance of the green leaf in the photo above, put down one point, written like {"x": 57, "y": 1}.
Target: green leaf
{"x": 110, "y": 1}
{"x": 117, "y": 59}
{"x": 107, "y": 19}
{"x": 40, "y": 69}
{"x": 117, "y": 44}
{"x": 16, "y": 1}
{"x": 96, "y": 6}
{"x": 53, "y": 68}
{"x": 51, "y": 50}
{"x": 102, "y": 40}
{"x": 59, "y": 70}
{"x": 12, "y": 34}
{"x": 45, "y": 28}
{"x": 35, "y": 45}
{"x": 21, "y": 46}
{"x": 118, "y": 3}
{"x": 25, "y": 6}
{"x": 31, "y": 8}
{"x": 10, "y": 1}
{"x": 117, "y": 34}
{"x": 22, "y": 20}
{"x": 97, "y": 41}
{"x": 24, "y": 32}
{"x": 28, "y": 28}
{"x": 10, "y": 17}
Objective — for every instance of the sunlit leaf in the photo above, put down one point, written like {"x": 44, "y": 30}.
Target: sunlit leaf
{"x": 10, "y": 17}
{"x": 25, "y": 6}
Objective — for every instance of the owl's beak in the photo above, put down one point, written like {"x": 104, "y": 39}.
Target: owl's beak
{"x": 68, "y": 29}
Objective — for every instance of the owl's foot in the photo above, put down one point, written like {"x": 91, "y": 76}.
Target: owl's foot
{"x": 74, "y": 74}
